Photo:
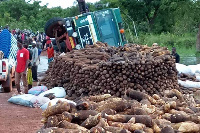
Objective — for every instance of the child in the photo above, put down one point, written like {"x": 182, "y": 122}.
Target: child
{"x": 50, "y": 53}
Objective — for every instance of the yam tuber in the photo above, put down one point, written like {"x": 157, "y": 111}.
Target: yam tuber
{"x": 84, "y": 114}
{"x": 132, "y": 120}
{"x": 139, "y": 111}
{"x": 167, "y": 129}
{"x": 59, "y": 108}
{"x": 129, "y": 126}
{"x": 68, "y": 125}
{"x": 99, "y": 98}
{"x": 102, "y": 123}
{"x": 148, "y": 130}
{"x": 97, "y": 130}
{"x": 83, "y": 105}
{"x": 118, "y": 118}
{"x": 52, "y": 121}
{"x": 117, "y": 104}
{"x": 136, "y": 95}
{"x": 116, "y": 130}
{"x": 156, "y": 128}
{"x": 139, "y": 131}
{"x": 91, "y": 121}
{"x": 188, "y": 127}
{"x": 60, "y": 130}
{"x": 66, "y": 116}
{"x": 144, "y": 119}
{"x": 108, "y": 112}
{"x": 176, "y": 118}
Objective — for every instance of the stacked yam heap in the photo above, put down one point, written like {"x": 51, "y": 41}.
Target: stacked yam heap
{"x": 99, "y": 69}
{"x": 138, "y": 113}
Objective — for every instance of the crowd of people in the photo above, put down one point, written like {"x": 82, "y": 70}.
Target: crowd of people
{"x": 30, "y": 46}
{"x": 28, "y": 59}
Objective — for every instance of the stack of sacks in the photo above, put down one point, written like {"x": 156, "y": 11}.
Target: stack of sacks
{"x": 38, "y": 96}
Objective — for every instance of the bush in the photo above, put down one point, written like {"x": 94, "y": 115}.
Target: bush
{"x": 185, "y": 44}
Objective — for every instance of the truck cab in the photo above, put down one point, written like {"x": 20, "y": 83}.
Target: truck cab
{"x": 104, "y": 25}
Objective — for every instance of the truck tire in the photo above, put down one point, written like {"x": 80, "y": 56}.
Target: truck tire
{"x": 53, "y": 23}
{"x": 7, "y": 85}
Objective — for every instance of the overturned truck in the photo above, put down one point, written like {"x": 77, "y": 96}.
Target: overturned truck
{"x": 88, "y": 28}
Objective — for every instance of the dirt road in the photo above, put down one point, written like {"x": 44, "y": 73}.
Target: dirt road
{"x": 20, "y": 119}
{"x": 16, "y": 118}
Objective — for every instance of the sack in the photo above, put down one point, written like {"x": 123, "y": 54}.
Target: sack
{"x": 189, "y": 84}
{"x": 29, "y": 77}
{"x": 59, "y": 92}
{"x": 198, "y": 78}
{"x": 38, "y": 101}
{"x": 24, "y": 100}
{"x": 183, "y": 69}
{"x": 54, "y": 101}
{"x": 37, "y": 90}
{"x": 194, "y": 69}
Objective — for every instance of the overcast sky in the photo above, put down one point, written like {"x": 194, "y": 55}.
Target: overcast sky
{"x": 62, "y": 3}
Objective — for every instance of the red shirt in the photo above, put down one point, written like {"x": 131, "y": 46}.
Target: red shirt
{"x": 50, "y": 52}
{"x": 22, "y": 57}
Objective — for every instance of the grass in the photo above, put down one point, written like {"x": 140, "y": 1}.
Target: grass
{"x": 185, "y": 44}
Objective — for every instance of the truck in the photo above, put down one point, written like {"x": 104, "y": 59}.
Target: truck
{"x": 87, "y": 28}
{"x": 8, "y": 50}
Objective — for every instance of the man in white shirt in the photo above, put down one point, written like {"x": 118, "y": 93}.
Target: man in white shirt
{"x": 35, "y": 62}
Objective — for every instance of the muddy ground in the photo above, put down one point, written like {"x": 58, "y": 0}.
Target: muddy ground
{"x": 20, "y": 119}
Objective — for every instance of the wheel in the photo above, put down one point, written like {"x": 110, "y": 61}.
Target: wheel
{"x": 7, "y": 85}
{"x": 54, "y": 23}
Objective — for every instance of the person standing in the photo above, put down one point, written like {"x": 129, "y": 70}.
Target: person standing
{"x": 82, "y": 7}
{"x": 23, "y": 37}
{"x": 50, "y": 53}
{"x": 48, "y": 41}
{"x": 35, "y": 62}
{"x": 21, "y": 67}
{"x": 177, "y": 57}
{"x": 29, "y": 74}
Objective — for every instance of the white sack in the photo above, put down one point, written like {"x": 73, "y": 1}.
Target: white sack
{"x": 189, "y": 84}
{"x": 38, "y": 101}
{"x": 59, "y": 92}
{"x": 183, "y": 69}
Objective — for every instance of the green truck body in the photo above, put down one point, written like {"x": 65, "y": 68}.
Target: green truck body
{"x": 103, "y": 25}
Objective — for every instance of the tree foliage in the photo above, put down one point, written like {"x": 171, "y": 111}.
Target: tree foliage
{"x": 150, "y": 16}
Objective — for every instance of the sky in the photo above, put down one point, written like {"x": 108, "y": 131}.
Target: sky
{"x": 62, "y": 3}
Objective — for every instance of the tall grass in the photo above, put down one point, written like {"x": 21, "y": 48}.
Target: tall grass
{"x": 185, "y": 44}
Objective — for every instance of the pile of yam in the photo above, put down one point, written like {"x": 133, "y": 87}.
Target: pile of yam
{"x": 186, "y": 90}
{"x": 99, "y": 69}
{"x": 136, "y": 113}
{"x": 184, "y": 77}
